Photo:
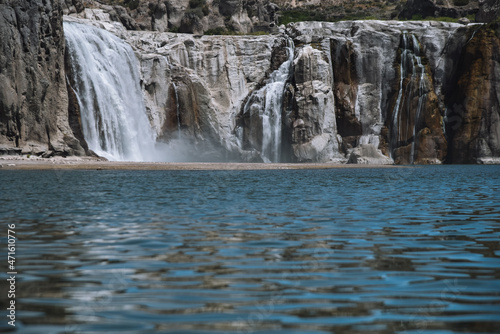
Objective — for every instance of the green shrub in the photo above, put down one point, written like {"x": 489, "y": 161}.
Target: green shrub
{"x": 443, "y": 19}
{"x": 219, "y": 31}
{"x": 195, "y": 12}
{"x": 197, "y": 3}
{"x": 460, "y": 2}
{"x": 298, "y": 15}
{"x": 222, "y": 31}
{"x": 205, "y": 10}
{"x": 132, "y": 4}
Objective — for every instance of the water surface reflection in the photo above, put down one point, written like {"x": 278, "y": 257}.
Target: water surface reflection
{"x": 411, "y": 250}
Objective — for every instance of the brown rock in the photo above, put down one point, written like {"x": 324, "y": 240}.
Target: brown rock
{"x": 474, "y": 113}
{"x": 345, "y": 88}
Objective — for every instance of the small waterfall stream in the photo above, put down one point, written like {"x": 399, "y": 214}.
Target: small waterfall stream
{"x": 106, "y": 81}
{"x": 177, "y": 110}
{"x": 405, "y": 118}
{"x": 271, "y": 97}
{"x": 421, "y": 95}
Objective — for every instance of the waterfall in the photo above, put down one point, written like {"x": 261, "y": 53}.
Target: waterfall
{"x": 402, "y": 74}
{"x": 405, "y": 118}
{"x": 177, "y": 108}
{"x": 105, "y": 77}
{"x": 421, "y": 96}
{"x": 270, "y": 99}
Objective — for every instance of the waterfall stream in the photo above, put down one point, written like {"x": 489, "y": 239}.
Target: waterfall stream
{"x": 421, "y": 96}
{"x": 405, "y": 118}
{"x": 271, "y": 97}
{"x": 106, "y": 81}
{"x": 177, "y": 110}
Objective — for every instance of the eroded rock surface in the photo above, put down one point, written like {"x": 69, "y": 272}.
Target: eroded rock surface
{"x": 358, "y": 91}
{"x": 33, "y": 95}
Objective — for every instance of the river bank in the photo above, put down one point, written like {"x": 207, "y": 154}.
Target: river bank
{"x": 75, "y": 163}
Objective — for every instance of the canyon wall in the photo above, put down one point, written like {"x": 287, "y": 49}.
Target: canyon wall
{"x": 33, "y": 95}
{"x": 353, "y": 91}
{"x": 186, "y": 16}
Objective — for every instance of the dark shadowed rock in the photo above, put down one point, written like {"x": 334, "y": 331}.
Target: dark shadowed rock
{"x": 489, "y": 10}
{"x": 437, "y": 8}
{"x": 473, "y": 120}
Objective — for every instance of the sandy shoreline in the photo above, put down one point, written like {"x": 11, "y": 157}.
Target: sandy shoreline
{"x": 7, "y": 163}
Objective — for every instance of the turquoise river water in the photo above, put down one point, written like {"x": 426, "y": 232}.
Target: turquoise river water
{"x": 405, "y": 250}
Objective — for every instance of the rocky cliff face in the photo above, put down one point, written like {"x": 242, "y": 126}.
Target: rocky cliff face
{"x": 196, "y": 87}
{"x": 474, "y": 114}
{"x": 352, "y": 91}
{"x": 33, "y": 95}
{"x": 489, "y": 10}
{"x": 186, "y": 16}
{"x": 359, "y": 92}
{"x": 388, "y": 82}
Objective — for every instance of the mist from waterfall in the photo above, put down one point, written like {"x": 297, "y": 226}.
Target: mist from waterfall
{"x": 106, "y": 81}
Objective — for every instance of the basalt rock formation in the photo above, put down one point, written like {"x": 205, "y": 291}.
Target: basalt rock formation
{"x": 33, "y": 95}
{"x": 474, "y": 114}
{"x": 352, "y": 91}
{"x": 186, "y": 16}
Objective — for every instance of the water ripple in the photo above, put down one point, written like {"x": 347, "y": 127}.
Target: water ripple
{"x": 413, "y": 250}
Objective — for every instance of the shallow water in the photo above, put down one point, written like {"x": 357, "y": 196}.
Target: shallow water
{"x": 410, "y": 250}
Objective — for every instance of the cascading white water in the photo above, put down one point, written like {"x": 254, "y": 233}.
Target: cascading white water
{"x": 177, "y": 108}
{"x": 410, "y": 55}
{"x": 106, "y": 81}
{"x": 270, "y": 113}
{"x": 421, "y": 95}
{"x": 402, "y": 75}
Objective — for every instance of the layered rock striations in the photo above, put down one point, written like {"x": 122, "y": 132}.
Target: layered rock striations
{"x": 356, "y": 91}
{"x": 186, "y": 16}
{"x": 199, "y": 85}
{"x": 388, "y": 93}
{"x": 473, "y": 117}
{"x": 352, "y": 91}
{"x": 33, "y": 95}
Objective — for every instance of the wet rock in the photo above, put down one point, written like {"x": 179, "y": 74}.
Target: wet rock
{"x": 205, "y": 81}
{"x": 473, "y": 120}
{"x": 72, "y": 6}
